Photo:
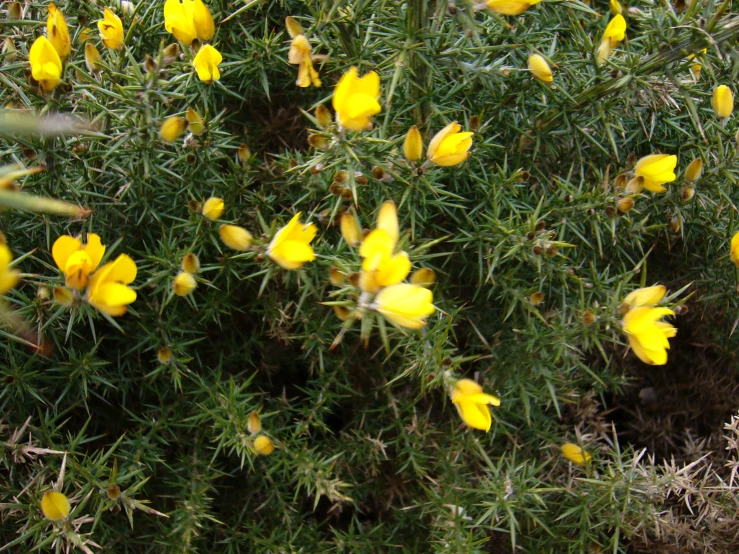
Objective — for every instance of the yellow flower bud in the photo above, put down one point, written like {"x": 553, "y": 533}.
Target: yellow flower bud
{"x": 341, "y": 312}
{"x": 413, "y": 145}
{"x": 293, "y": 27}
{"x": 92, "y": 57}
{"x": 8, "y": 50}
{"x": 625, "y": 205}
{"x": 55, "y": 506}
{"x": 735, "y": 249}
{"x": 213, "y": 208}
{"x": 243, "y": 153}
{"x": 191, "y": 263}
{"x": 423, "y": 277}
{"x": 194, "y": 122}
{"x": 323, "y": 116}
{"x": 540, "y": 68}
{"x": 235, "y": 237}
{"x": 164, "y": 355}
{"x": 723, "y": 101}
{"x": 113, "y": 492}
{"x": 57, "y": 32}
{"x": 688, "y": 193}
{"x": 184, "y": 283}
{"x": 15, "y": 11}
{"x": 575, "y": 454}
{"x": 350, "y": 229}
{"x": 63, "y": 296}
{"x": 264, "y": 445}
{"x": 336, "y": 277}
{"x": 693, "y": 172}
{"x": 536, "y": 298}
{"x": 254, "y": 423}
{"x": 615, "y": 7}
{"x": 510, "y": 7}
{"x": 172, "y": 128}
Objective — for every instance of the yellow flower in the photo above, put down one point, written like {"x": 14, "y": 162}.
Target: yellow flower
{"x": 111, "y": 30}
{"x": 194, "y": 121}
{"x": 213, "y": 208}
{"x": 205, "y": 28}
{"x": 264, "y": 445}
{"x": 735, "y": 249}
{"x": 405, "y": 305}
{"x": 8, "y": 277}
{"x": 188, "y": 20}
{"x": 723, "y": 101}
{"x": 423, "y": 277}
{"x": 413, "y": 145}
{"x": 615, "y": 32}
{"x": 164, "y": 355}
{"x": 510, "y": 7}
{"x": 55, "y": 506}
{"x": 381, "y": 267}
{"x": 615, "y": 7}
{"x": 206, "y": 63}
{"x": 693, "y": 171}
{"x": 290, "y": 247}
{"x": 356, "y": 99}
{"x": 254, "y": 423}
{"x": 656, "y": 170}
{"x": 647, "y": 335}
{"x": 77, "y": 260}
{"x": 172, "y": 128}
{"x": 46, "y": 65}
{"x": 540, "y": 68}
{"x": 184, "y": 283}
{"x": 472, "y": 404}
{"x": 57, "y": 32}
{"x": 350, "y": 229}
{"x": 235, "y": 237}
{"x": 449, "y": 146}
{"x": 575, "y": 454}
{"x": 107, "y": 290}
{"x": 300, "y": 55}
{"x": 647, "y": 296}
{"x": 696, "y": 68}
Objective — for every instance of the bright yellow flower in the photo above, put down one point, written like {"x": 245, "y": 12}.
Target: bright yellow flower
{"x": 55, "y": 506}
{"x": 647, "y": 335}
{"x": 172, "y": 128}
{"x": 107, "y": 290}
{"x": 111, "y": 30}
{"x": 46, "y": 65}
{"x": 235, "y": 237}
{"x": 647, "y": 296}
{"x": 300, "y": 55}
{"x": 184, "y": 283}
{"x": 8, "y": 277}
{"x": 694, "y": 170}
{"x": 449, "y": 146}
{"x": 540, "y": 68}
{"x": 510, "y": 7}
{"x": 76, "y": 260}
{"x": 381, "y": 266}
{"x": 206, "y": 63}
{"x": 405, "y": 305}
{"x": 213, "y": 208}
{"x": 290, "y": 247}
{"x": 735, "y": 249}
{"x": 656, "y": 170}
{"x": 615, "y": 7}
{"x": 413, "y": 145}
{"x": 264, "y": 445}
{"x": 356, "y": 99}
{"x": 615, "y": 32}
{"x": 472, "y": 404}
{"x": 188, "y": 20}
{"x": 723, "y": 101}
{"x": 57, "y": 32}
{"x": 205, "y": 28}
{"x": 575, "y": 454}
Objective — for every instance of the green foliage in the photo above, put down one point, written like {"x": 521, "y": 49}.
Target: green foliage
{"x": 371, "y": 455}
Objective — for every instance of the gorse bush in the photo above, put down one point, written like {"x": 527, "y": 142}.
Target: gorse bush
{"x": 368, "y": 276}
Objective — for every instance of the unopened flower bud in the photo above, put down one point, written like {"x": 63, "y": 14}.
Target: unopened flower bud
{"x": 413, "y": 145}
{"x": 213, "y": 208}
{"x": 113, "y": 492}
{"x": 235, "y": 237}
{"x": 350, "y": 229}
{"x": 625, "y": 205}
{"x": 536, "y": 298}
{"x": 254, "y": 423}
{"x": 264, "y": 445}
{"x": 55, "y": 506}
{"x": 15, "y": 11}
{"x": 588, "y": 317}
{"x": 170, "y": 54}
{"x": 335, "y": 276}
{"x": 63, "y": 296}
{"x": 423, "y": 277}
{"x": 688, "y": 193}
{"x": 293, "y": 27}
{"x": 341, "y": 312}
{"x": 694, "y": 170}
{"x": 172, "y": 128}
{"x": 164, "y": 355}
{"x": 184, "y": 283}
{"x": 318, "y": 141}
{"x": 194, "y": 121}
{"x": 191, "y": 263}
{"x": 635, "y": 186}
{"x": 323, "y": 115}
{"x": 675, "y": 224}
{"x": 341, "y": 177}
{"x": 9, "y": 50}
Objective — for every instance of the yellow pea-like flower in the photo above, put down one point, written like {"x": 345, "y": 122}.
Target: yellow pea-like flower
{"x": 647, "y": 334}
{"x": 405, "y": 305}
{"x": 76, "y": 260}
{"x": 300, "y": 55}
{"x": 450, "y": 146}
{"x": 235, "y": 237}
{"x": 575, "y": 453}
{"x": 735, "y": 249}
{"x": 46, "y": 65}
{"x": 108, "y": 290}
{"x": 55, "y": 506}
{"x": 356, "y": 99}
{"x": 290, "y": 247}
{"x": 8, "y": 277}
{"x": 264, "y": 445}
{"x": 172, "y": 128}
{"x": 656, "y": 170}
{"x": 510, "y": 7}
{"x": 111, "y": 30}
{"x": 413, "y": 145}
{"x": 613, "y": 35}
{"x": 615, "y": 7}
{"x": 646, "y": 296}
{"x": 179, "y": 20}
{"x": 540, "y": 68}
{"x": 472, "y": 404}
{"x": 723, "y": 101}
{"x": 694, "y": 170}
{"x": 202, "y": 19}
{"x": 206, "y": 64}
{"x": 57, "y": 32}
{"x": 213, "y": 208}
{"x": 184, "y": 283}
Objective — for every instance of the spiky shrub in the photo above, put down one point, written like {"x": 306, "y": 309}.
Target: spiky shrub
{"x": 256, "y": 390}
